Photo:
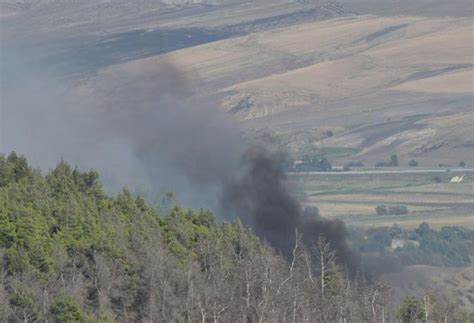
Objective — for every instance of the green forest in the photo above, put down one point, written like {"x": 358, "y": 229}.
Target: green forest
{"x": 71, "y": 252}
{"x": 452, "y": 246}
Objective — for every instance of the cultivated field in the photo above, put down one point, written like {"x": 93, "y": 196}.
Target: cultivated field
{"x": 430, "y": 197}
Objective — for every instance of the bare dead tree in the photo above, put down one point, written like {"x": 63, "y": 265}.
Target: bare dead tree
{"x": 295, "y": 254}
{"x": 378, "y": 298}
{"x": 5, "y": 310}
{"x": 429, "y": 304}
{"x": 325, "y": 258}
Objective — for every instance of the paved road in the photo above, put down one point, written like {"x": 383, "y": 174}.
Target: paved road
{"x": 400, "y": 171}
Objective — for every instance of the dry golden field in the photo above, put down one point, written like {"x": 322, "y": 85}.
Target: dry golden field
{"x": 380, "y": 78}
{"x": 380, "y": 84}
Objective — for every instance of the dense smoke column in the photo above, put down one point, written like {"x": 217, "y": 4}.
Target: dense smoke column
{"x": 173, "y": 135}
{"x": 177, "y": 137}
{"x": 153, "y": 134}
{"x": 261, "y": 197}
{"x": 335, "y": 232}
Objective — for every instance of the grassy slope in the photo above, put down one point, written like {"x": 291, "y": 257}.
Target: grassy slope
{"x": 405, "y": 68}
{"x": 381, "y": 84}
{"x": 390, "y": 78}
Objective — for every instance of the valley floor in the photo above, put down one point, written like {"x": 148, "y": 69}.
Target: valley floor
{"x": 354, "y": 196}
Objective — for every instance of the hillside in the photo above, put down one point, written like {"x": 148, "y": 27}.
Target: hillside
{"x": 72, "y": 253}
{"x": 381, "y": 85}
{"x": 231, "y": 105}
{"x": 455, "y": 283}
{"x": 380, "y": 79}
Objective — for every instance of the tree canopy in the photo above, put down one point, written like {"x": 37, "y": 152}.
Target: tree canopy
{"x": 72, "y": 253}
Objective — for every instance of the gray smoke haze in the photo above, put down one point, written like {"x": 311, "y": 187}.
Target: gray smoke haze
{"x": 150, "y": 134}
{"x": 162, "y": 123}
{"x": 44, "y": 119}
{"x": 154, "y": 134}
{"x": 183, "y": 142}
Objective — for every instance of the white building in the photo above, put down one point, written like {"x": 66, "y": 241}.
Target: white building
{"x": 457, "y": 179}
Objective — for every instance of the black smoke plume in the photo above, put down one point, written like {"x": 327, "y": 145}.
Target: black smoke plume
{"x": 261, "y": 197}
{"x": 155, "y": 132}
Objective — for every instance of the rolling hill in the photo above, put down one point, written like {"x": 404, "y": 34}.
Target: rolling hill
{"x": 381, "y": 85}
{"x": 455, "y": 284}
{"x": 380, "y": 78}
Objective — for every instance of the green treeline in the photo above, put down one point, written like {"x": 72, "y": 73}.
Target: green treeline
{"x": 389, "y": 249}
{"x": 72, "y": 253}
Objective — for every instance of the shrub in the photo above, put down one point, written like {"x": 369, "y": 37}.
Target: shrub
{"x": 381, "y": 210}
{"x": 394, "y": 160}
{"x": 324, "y": 165}
{"x": 392, "y": 163}
{"x": 311, "y": 212}
{"x": 462, "y": 164}
{"x": 317, "y": 163}
{"x": 383, "y": 164}
{"x": 354, "y": 163}
{"x": 413, "y": 163}
{"x": 445, "y": 165}
{"x": 23, "y": 304}
{"x": 397, "y": 209}
{"x": 243, "y": 105}
{"x": 66, "y": 310}
{"x": 411, "y": 310}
